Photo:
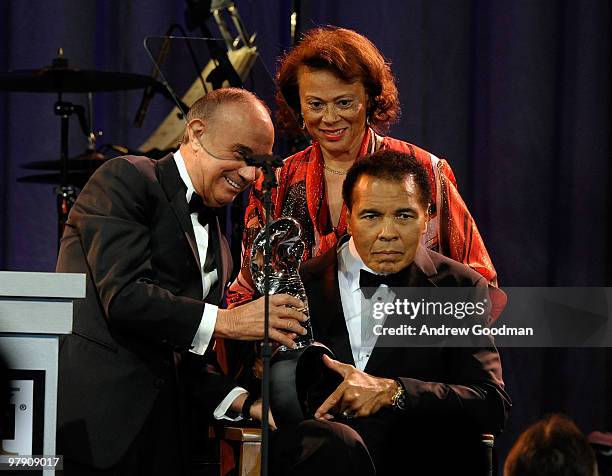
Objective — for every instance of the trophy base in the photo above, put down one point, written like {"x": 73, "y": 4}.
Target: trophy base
{"x": 300, "y": 382}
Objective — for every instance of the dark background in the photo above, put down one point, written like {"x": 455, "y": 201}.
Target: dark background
{"x": 514, "y": 94}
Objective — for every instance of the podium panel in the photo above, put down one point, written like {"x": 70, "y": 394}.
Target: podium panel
{"x": 35, "y": 309}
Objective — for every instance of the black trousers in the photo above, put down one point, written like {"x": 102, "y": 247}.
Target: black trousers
{"x": 380, "y": 444}
{"x": 318, "y": 448}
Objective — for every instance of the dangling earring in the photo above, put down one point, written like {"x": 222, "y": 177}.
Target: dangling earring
{"x": 301, "y": 122}
{"x": 368, "y": 120}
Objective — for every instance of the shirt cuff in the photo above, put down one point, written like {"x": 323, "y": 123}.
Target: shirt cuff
{"x": 205, "y": 330}
{"x": 221, "y": 411}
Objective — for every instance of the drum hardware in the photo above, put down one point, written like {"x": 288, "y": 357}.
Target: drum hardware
{"x": 60, "y": 78}
{"x": 88, "y": 161}
{"x": 77, "y": 180}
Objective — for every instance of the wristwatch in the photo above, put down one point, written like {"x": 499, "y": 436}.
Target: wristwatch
{"x": 398, "y": 401}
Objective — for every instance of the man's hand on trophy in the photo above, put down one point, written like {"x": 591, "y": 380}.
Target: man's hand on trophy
{"x": 359, "y": 395}
{"x": 246, "y": 322}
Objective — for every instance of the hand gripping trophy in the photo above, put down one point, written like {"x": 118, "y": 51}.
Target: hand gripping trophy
{"x": 299, "y": 380}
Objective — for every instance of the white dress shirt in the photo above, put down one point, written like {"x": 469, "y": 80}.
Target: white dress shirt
{"x": 356, "y": 309}
{"x": 209, "y": 316}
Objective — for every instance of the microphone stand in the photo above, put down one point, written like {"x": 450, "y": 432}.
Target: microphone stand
{"x": 268, "y": 164}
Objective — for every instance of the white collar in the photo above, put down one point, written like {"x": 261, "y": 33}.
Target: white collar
{"x": 182, "y": 169}
{"x": 350, "y": 264}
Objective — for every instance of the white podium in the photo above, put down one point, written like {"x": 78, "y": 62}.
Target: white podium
{"x": 35, "y": 309}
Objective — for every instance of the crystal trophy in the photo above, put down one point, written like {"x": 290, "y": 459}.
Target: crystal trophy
{"x": 299, "y": 380}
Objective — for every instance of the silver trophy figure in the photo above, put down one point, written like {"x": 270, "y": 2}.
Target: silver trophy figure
{"x": 299, "y": 380}
{"x": 287, "y": 250}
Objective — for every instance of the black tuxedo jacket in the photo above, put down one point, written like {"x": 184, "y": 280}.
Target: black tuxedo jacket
{"x": 130, "y": 233}
{"x": 443, "y": 384}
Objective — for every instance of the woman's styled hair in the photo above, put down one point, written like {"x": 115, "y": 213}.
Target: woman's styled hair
{"x": 351, "y": 57}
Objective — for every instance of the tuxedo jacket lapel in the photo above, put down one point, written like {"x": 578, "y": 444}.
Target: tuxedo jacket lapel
{"x": 175, "y": 190}
{"x": 325, "y": 305}
{"x": 214, "y": 241}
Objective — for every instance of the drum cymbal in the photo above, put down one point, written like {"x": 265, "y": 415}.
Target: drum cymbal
{"x": 69, "y": 80}
{"x": 87, "y": 161}
{"x": 74, "y": 178}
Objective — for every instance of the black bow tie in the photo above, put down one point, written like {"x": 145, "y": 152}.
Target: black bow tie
{"x": 206, "y": 215}
{"x": 369, "y": 282}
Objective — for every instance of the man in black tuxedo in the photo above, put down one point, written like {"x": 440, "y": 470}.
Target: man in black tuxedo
{"x": 137, "y": 382}
{"x": 417, "y": 408}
